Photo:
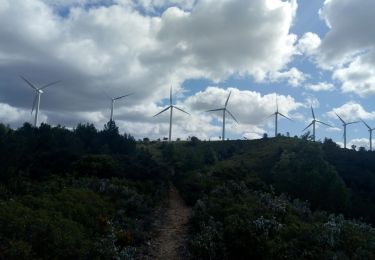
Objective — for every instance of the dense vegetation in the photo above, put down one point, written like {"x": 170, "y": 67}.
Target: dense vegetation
{"x": 282, "y": 198}
{"x": 81, "y": 194}
{"x": 90, "y": 194}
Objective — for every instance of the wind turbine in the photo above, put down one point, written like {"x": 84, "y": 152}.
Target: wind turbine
{"x": 344, "y": 124}
{"x": 171, "y": 106}
{"x": 225, "y": 110}
{"x": 38, "y": 93}
{"x": 113, "y": 100}
{"x": 370, "y": 131}
{"x": 313, "y": 123}
{"x": 276, "y": 114}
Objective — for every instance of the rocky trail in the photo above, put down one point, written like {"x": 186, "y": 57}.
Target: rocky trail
{"x": 172, "y": 231}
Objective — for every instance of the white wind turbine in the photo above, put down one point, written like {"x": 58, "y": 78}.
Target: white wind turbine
{"x": 276, "y": 114}
{"x": 313, "y": 122}
{"x": 225, "y": 110}
{"x": 370, "y": 131}
{"x": 38, "y": 93}
{"x": 344, "y": 124}
{"x": 171, "y": 106}
{"x": 113, "y": 100}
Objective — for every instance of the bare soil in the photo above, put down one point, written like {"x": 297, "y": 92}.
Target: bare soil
{"x": 171, "y": 231}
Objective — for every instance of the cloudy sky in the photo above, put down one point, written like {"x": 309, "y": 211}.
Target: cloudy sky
{"x": 319, "y": 53}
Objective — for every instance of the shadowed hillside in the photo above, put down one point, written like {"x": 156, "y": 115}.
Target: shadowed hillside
{"x": 94, "y": 194}
{"x": 279, "y": 198}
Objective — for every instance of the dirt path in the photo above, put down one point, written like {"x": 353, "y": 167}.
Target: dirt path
{"x": 171, "y": 236}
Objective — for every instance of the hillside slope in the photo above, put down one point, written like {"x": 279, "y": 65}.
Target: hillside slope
{"x": 90, "y": 194}
{"x": 274, "y": 198}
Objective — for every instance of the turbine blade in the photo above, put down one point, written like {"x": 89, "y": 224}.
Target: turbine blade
{"x": 342, "y": 120}
{"x": 354, "y": 122}
{"x": 366, "y": 125}
{"x": 277, "y": 104}
{"x": 284, "y": 116}
{"x": 29, "y": 83}
{"x": 323, "y": 123}
{"x": 50, "y": 84}
{"x": 226, "y": 103}
{"x": 308, "y": 126}
{"x": 270, "y": 115}
{"x": 116, "y": 98}
{"x": 312, "y": 112}
{"x": 218, "y": 109}
{"x": 107, "y": 96}
{"x": 34, "y": 103}
{"x": 170, "y": 96}
{"x": 181, "y": 110}
{"x": 165, "y": 109}
{"x": 231, "y": 115}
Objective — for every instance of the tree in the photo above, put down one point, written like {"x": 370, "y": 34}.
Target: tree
{"x": 304, "y": 174}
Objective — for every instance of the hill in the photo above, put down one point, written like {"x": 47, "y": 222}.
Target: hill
{"x": 90, "y": 194}
{"x": 279, "y": 198}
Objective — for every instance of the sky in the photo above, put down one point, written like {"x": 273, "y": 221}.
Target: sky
{"x": 307, "y": 53}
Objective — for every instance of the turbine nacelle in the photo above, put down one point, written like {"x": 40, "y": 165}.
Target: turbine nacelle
{"x": 113, "y": 100}
{"x": 38, "y": 91}
{"x": 171, "y": 106}
{"x": 276, "y": 114}
{"x": 313, "y": 122}
{"x": 225, "y": 110}
{"x": 344, "y": 124}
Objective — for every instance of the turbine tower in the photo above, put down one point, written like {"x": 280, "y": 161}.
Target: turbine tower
{"x": 171, "y": 106}
{"x": 370, "y": 131}
{"x": 344, "y": 124}
{"x": 313, "y": 122}
{"x": 113, "y": 100}
{"x": 38, "y": 93}
{"x": 276, "y": 114}
{"x": 225, "y": 110}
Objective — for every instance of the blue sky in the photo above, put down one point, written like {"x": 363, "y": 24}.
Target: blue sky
{"x": 308, "y": 52}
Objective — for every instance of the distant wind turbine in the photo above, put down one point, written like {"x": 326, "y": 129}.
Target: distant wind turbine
{"x": 313, "y": 123}
{"x": 38, "y": 93}
{"x": 344, "y": 124}
{"x": 225, "y": 110}
{"x": 113, "y": 100}
{"x": 370, "y": 131}
{"x": 276, "y": 114}
{"x": 171, "y": 106}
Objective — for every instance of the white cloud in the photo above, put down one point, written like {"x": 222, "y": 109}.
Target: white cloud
{"x": 153, "y": 5}
{"x": 311, "y": 100}
{"x": 249, "y": 107}
{"x": 351, "y": 111}
{"x": 321, "y": 86}
{"x": 360, "y": 142}
{"x": 117, "y": 49}
{"x": 349, "y": 47}
{"x": 334, "y": 129}
{"x": 359, "y": 76}
{"x": 15, "y": 116}
{"x": 294, "y": 76}
{"x": 220, "y": 38}
{"x": 308, "y": 43}
{"x": 257, "y": 134}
